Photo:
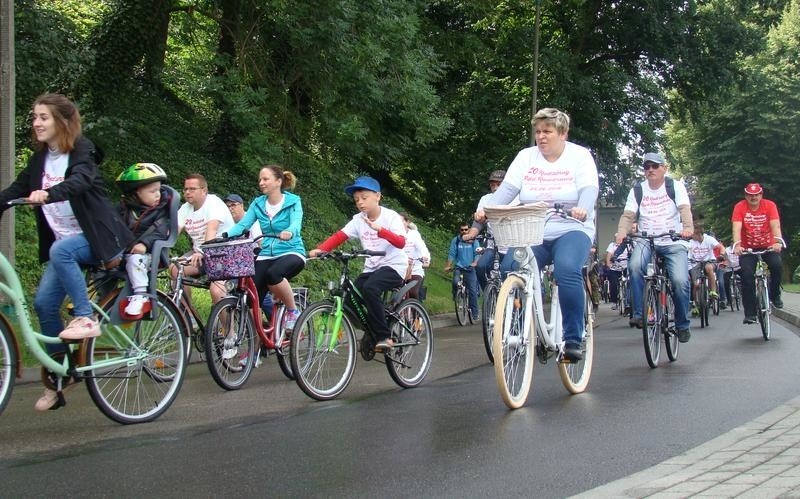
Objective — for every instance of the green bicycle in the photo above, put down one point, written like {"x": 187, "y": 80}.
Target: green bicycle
{"x": 133, "y": 370}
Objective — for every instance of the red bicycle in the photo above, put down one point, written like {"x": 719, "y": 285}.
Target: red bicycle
{"x": 235, "y": 331}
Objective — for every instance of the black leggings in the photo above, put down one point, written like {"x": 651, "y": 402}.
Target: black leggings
{"x": 273, "y": 271}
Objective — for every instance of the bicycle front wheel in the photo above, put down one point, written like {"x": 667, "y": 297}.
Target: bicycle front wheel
{"x": 487, "y": 317}
{"x": 231, "y": 346}
{"x": 323, "y": 356}
{"x": 137, "y": 367}
{"x": 513, "y": 343}
{"x": 703, "y": 304}
{"x": 409, "y": 361}
{"x": 668, "y": 328}
{"x": 575, "y": 375}
{"x": 8, "y": 363}
{"x": 462, "y": 307}
{"x": 763, "y": 308}
{"x": 651, "y": 324}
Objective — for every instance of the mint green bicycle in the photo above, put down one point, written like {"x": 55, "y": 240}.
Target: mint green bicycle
{"x": 133, "y": 370}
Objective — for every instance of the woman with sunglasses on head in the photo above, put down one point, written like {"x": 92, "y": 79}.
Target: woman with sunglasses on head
{"x": 76, "y": 222}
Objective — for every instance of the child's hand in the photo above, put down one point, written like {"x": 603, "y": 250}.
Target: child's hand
{"x": 139, "y": 249}
{"x": 372, "y": 225}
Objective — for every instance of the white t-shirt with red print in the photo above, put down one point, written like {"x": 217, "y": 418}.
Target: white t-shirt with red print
{"x": 657, "y": 212}
{"x": 389, "y": 219}
{"x": 195, "y": 221}
{"x": 559, "y": 181}
{"x": 756, "y": 232}
{"x": 703, "y": 251}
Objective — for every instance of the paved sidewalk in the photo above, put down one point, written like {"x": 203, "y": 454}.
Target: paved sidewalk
{"x": 756, "y": 460}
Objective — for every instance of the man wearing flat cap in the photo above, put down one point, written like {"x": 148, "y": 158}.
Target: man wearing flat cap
{"x": 757, "y": 227}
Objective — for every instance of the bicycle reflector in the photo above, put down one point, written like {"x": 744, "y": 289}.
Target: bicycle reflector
{"x": 651, "y": 270}
{"x": 520, "y": 254}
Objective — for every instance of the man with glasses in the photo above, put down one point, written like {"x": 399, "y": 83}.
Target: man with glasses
{"x": 659, "y": 209}
{"x": 757, "y": 227}
{"x": 465, "y": 255}
{"x": 236, "y": 206}
{"x": 203, "y": 217}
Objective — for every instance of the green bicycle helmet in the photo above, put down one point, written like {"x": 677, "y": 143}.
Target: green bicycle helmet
{"x": 139, "y": 174}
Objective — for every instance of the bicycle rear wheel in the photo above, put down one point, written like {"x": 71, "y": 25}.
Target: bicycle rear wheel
{"x": 230, "y": 343}
{"x": 737, "y": 295}
{"x": 142, "y": 387}
{"x": 762, "y": 301}
{"x": 409, "y": 361}
{"x": 323, "y": 358}
{"x": 8, "y": 363}
{"x": 668, "y": 327}
{"x": 462, "y": 306}
{"x": 513, "y": 347}
{"x": 487, "y": 317}
{"x": 575, "y": 375}
{"x": 702, "y": 303}
{"x": 651, "y": 324}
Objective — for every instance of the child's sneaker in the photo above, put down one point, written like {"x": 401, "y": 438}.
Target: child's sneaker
{"x": 81, "y": 328}
{"x": 290, "y": 319}
{"x": 136, "y": 304}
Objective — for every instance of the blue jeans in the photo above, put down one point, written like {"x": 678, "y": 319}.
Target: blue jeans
{"x": 471, "y": 281}
{"x": 721, "y": 285}
{"x": 484, "y": 262}
{"x": 63, "y": 277}
{"x": 567, "y": 254}
{"x": 677, "y": 264}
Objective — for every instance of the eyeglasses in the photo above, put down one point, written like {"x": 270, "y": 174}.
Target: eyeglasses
{"x": 650, "y": 166}
{"x": 190, "y": 189}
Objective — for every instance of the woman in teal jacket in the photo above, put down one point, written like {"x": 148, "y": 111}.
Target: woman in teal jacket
{"x": 279, "y": 214}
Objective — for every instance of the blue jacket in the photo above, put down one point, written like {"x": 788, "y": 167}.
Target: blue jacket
{"x": 289, "y": 218}
{"x": 463, "y": 253}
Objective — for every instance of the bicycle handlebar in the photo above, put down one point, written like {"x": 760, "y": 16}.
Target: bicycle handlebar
{"x": 22, "y": 202}
{"x": 342, "y": 255}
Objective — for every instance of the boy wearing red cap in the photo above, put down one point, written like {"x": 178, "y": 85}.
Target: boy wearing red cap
{"x": 757, "y": 226}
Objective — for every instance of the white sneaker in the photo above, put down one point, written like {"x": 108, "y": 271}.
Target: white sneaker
{"x": 229, "y": 347}
{"x": 136, "y": 304}
{"x": 81, "y": 328}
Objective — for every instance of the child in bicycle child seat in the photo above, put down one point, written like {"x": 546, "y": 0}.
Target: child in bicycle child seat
{"x": 145, "y": 208}
{"x": 379, "y": 229}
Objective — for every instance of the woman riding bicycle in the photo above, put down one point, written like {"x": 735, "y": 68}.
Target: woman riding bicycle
{"x": 556, "y": 171}
{"x": 279, "y": 213}
{"x": 76, "y": 222}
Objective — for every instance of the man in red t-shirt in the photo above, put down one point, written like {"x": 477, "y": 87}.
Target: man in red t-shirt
{"x": 757, "y": 226}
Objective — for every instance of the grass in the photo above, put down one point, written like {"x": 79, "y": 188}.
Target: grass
{"x": 791, "y": 288}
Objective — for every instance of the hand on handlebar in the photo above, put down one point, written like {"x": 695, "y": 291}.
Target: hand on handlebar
{"x": 578, "y": 213}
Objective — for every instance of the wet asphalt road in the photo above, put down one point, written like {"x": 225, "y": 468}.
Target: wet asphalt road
{"x": 450, "y": 437}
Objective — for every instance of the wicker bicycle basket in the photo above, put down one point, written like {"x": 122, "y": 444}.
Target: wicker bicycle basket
{"x": 515, "y": 226}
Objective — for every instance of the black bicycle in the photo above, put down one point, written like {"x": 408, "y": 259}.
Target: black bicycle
{"x": 323, "y": 347}
{"x": 494, "y": 280}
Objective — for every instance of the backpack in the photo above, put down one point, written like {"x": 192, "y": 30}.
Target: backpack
{"x": 669, "y": 183}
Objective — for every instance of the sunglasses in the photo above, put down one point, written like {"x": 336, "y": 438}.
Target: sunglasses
{"x": 650, "y": 166}
{"x": 464, "y": 230}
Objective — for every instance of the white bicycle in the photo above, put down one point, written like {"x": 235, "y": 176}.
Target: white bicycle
{"x": 520, "y": 310}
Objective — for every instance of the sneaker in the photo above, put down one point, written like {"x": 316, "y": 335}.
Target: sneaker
{"x": 81, "y": 328}
{"x": 713, "y": 294}
{"x": 573, "y": 352}
{"x": 136, "y": 304}
{"x": 777, "y": 302}
{"x": 475, "y": 317}
{"x": 683, "y": 334}
{"x": 383, "y": 345}
{"x": 614, "y": 306}
{"x": 290, "y": 319}
{"x": 243, "y": 360}
{"x": 47, "y": 401}
{"x": 637, "y": 322}
{"x": 723, "y": 305}
{"x": 229, "y": 349}
{"x": 695, "y": 312}
{"x": 750, "y": 319}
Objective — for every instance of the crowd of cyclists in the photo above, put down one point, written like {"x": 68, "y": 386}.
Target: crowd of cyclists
{"x": 79, "y": 226}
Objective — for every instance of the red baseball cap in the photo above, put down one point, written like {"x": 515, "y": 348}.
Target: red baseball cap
{"x": 753, "y": 189}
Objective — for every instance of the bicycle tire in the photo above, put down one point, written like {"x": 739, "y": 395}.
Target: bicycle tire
{"x": 668, "y": 324}
{"x": 762, "y": 301}
{"x": 513, "y": 348}
{"x": 737, "y": 293}
{"x": 8, "y": 363}
{"x": 702, "y": 303}
{"x": 322, "y": 372}
{"x": 462, "y": 306}
{"x": 715, "y": 306}
{"x": 575, "y": 375}
{"x": 651, "y": 325}
{"x": 621, "y": 293}
{"x": 137, "y": 391}
{"x": 487, "y": 317}
{"x": 408, "y": 364}
{"x": 230, "y": 343}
